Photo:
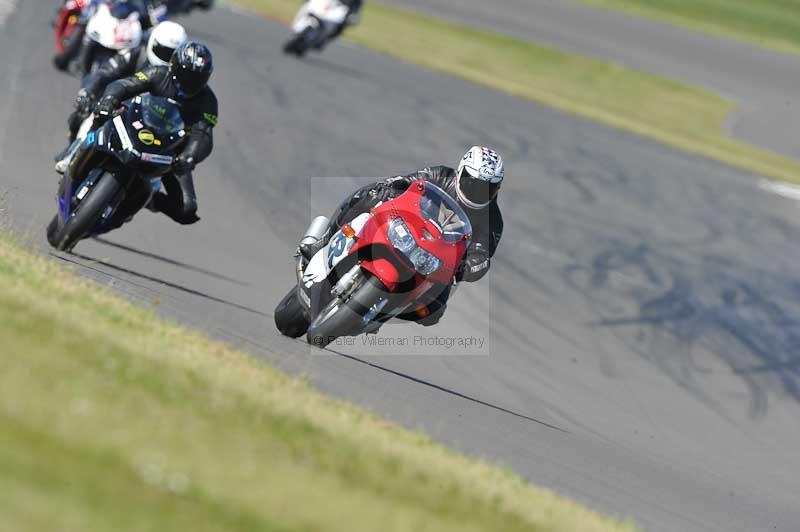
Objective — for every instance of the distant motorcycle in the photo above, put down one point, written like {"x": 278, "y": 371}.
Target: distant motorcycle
{"x": 116, "y": 169}
{"x": 70, "y": 26}
{"x": 317, "y": 23}
{"x": 99, "y": 31}
{"x": 113, "y": 27}
{"x": 394, "y": 260}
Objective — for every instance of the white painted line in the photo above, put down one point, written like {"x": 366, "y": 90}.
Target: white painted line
{"x": 781, "y": 189}
{"x": 6, "y": 8}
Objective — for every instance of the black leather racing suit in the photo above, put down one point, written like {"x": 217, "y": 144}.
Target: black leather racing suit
{"x": 124, "y": 64}
{"x": 487, "y": 225}
{"x": 199, "y": 113}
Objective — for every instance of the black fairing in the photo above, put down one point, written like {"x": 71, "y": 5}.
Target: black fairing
{"x": 135, "y": 146}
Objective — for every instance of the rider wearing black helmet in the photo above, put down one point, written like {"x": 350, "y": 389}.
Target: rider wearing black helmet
{"x": 185, "y": 80}
{"x": 164, "y": 39}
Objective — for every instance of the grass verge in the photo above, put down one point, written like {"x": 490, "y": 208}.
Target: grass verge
{"x": 769, "y": 23}
{"x": 111, "y": 419}
{"x": 673, "y": 113}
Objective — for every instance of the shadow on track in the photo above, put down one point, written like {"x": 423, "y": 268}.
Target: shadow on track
{"x": 167, "y": 260}
{"x": 150, "y": 278}
{"x": 336, "y": 68}
{"x": 448, "y": 391}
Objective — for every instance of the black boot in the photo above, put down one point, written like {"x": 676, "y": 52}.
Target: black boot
{"x": 180, "y": 201}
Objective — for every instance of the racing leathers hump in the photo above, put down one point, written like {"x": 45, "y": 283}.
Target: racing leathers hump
{"x": 199, "y": 112}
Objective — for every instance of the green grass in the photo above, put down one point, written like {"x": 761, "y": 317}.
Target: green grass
{"x": 676, "y": 114}
{"x": 770, "y": 23}
{"x": 111, "y": 419}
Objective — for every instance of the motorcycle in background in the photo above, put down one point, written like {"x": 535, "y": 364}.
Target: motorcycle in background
{"x": 317, "y": 23}
{"x": 70, "y": 26}
{"x": 395, "y": 259}
{"x": 89, "y": 32}
{"x": 113, "y": 27}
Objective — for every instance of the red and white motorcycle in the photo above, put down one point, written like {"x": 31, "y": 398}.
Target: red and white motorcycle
{"x": 395, "y": 259}
{"x": 89, "y": 32}
{"x": 113, "y": 27}
{"x": 69, "y": 26}
{"x": 317, "y": 23}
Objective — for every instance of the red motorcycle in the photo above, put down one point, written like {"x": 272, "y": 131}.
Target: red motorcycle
{"x": 70, "y": 26}
{"x": 395, "y": 259}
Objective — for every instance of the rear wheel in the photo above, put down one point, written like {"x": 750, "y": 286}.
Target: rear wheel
{"x": 347, "y": 318}
{"x": 71, "y": 43}
{"x": 290, "y": 317}
{"x": 87, "y": 214}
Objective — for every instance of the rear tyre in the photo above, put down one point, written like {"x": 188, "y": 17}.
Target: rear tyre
{"x": 290, "y": 317}
{"x": 72, "y": 44}
{"x": 86, "y": 215}
{"x": 346, "y": 318}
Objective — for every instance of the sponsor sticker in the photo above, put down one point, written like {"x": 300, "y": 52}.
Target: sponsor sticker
{"x": 156, "y": 158}
{"x": 146, "y": 137}
{"x": 211, "y": 119}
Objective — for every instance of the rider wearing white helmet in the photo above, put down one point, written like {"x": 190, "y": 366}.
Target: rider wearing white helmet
{"x": 158, "y": 50}
{"x": 474, "y": 185}
{"x": 164, "y": 39}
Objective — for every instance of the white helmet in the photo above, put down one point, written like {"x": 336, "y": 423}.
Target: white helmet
{"x": 164, "y": 39}
{"x": 479, "y": 175}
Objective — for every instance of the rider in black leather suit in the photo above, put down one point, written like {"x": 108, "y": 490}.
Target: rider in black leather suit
{"x": 186, "y": 81}
{"x": 474, "y": 185}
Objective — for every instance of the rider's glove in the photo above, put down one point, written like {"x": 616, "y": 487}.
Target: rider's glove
{"x": 183, "y": 164}
{"x": 106, "y": 106}
{"x": 475, "y": 264}
{"x": 83, "y": 102}
{"x": 382, "y": 192}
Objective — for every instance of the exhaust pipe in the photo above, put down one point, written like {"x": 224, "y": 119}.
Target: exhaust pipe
{"x": 316, "y": 230}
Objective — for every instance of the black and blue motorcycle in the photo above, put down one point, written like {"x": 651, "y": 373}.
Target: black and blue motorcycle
{"x": 116, "y": 169}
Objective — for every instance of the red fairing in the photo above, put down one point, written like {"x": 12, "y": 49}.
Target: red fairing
{"x": 385, "y": 270}
{"x": 65, "y": 23}
{"x": 390, "y": 265}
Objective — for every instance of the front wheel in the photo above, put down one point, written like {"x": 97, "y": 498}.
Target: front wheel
{"x": 290, "y": 317}
{"x": 64, "y": 236}
{"x": 69, "y": 48}
{"x": 351, "y": 317}
{"x": 300, "y": 43}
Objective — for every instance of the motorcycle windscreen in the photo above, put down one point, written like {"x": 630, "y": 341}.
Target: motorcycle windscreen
{"x": 162, "y": 124}
{"x": 445, "y": 214}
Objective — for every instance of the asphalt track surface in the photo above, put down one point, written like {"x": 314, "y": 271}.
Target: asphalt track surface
{"x": 762, "y": 82}
{"x": 641, "y": 319}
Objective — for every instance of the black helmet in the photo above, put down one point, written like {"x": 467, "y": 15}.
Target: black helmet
{"x": 191, "y": 66}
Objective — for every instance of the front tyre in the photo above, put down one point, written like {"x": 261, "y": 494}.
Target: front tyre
{"x": 290, "y": 317}
{"x": 300, "y": 43}
{"x": 87, "y": 214}
{"x": 347, "y": 318}
{"x": 71, "y": 44}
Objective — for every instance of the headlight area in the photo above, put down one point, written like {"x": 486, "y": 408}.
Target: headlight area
{"x": 402, "y": 239}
